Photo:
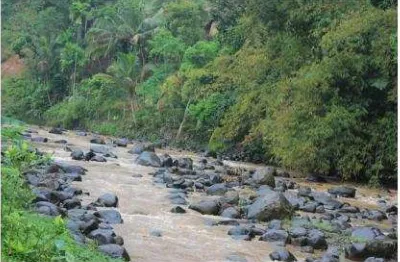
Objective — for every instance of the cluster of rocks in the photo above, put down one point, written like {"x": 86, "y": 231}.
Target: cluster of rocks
{"x": 276, "y": 198}
{"x": 55, "y": 195}
{"x": 98, "y": 152}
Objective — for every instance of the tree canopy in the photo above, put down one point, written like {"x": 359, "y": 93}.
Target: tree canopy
{"x": 308, "y": 85}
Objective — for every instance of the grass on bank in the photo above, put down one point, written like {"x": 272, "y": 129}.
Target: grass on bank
{"x": 27, "y": 236}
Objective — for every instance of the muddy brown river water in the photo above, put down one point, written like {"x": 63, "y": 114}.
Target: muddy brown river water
{"x": 145, "y": 207}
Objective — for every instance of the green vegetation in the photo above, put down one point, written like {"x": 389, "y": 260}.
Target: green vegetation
{"x": 308, "y": 85}
{"x": 27, "y": 236}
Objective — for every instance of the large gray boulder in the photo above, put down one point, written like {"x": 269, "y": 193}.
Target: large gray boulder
{"x": 107, "y": 200}
{"x": 148, "y": 159}
{"x": 265, "y": 176}
{"x": 115, "y": 251}
{"x": 110, "y": 216}
{"x": 66, "y": 168}
{"x": 138, "y": 149}
{"x": 326, "y": 200}
{"x": 282, "y": 255}
{"x": 206, "y": 207}
{"x": 100, "y": 149}
{"x": 47, "y": 208}
{"x": 77, "y": 154}
{"x": 217, "y": 189}
{"x": 270, "y": 206}
{"x": 122, "y": 142}
{"x": 370, "y": 241}
{"x": 102, "y": 236}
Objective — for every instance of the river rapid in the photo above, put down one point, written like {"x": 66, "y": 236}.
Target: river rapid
{"x": 145, "y": 207}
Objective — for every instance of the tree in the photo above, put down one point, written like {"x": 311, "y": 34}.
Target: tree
{"x": 125, "y": 73}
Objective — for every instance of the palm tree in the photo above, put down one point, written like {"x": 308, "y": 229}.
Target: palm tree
{"x": 125, "y": 73}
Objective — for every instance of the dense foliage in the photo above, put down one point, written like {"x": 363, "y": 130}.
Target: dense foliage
{"x": 309, "y": 85}
{"x": 27, "y": 236}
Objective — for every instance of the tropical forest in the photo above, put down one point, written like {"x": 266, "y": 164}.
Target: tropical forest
{"x": 199, "y": 130}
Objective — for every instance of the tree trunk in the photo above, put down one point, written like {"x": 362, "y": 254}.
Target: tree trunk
{"x": 183, "y": 120}
{"x": 133, "y": 109}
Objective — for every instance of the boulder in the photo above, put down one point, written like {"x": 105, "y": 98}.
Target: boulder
{"x": 309, "y": 207}
{"x": 115, "y": 251}
{"x": 147, "y": 158}
{"x": 102, "y": 236}
{"x": 98, "y": 158}
{"x": 178, "y": 210}
{"x": 282, "y": 255}
{"x": 89, "y": 155}
{"x": 296, "y": 232}
{"x": 100, "y": 149}
{"x": 272, "y": 205}
{"x": 110, "y": 155}
{"x": 342, "y": 191}
{"x": 97, "y": 140}
{"x": 89, "y": 226}
{"x": 47, "y": 208}
{"x": 331, "y": 255}
{"x": 239, "y": 231}
{"x": 119, "y": 240}
{"x": 122, "y": 142}
{"x": 111, "y": 216}
{"x": 316, "y": 239}
{"x": 230, "y": 197}
{"x": 39, "y": 139}
{"x": 178, "y": 199}
{"x": 167, "y": 160}
{"x": 276, "y": 235}
{"x": 217, "y": 189}
{"x": 275, "y": 224}
{"x": 326, "y": 200}
{"x": 374, "y": 259}
{"x": 185, "y": 163}
{"x": 77, "y": 154}
{"x": 370, "y": 241}
{"x": 107, "y": 200}
{"x": 68, "y": 168}
{"x": 138, "y": 149}
{"x": 375, "y": 215}
{"x": 265, "y": 176}
{"x": 215, "y": 178}
{"x": 80, "y": 133}
{"x": 294, "y": 199}
{"x": 69, "y": 177}
{"x": 230, "y": 212}
{"x": 304, "y": 192}
{"x": 72, "y": 203}
{"x": 206, "y": 207}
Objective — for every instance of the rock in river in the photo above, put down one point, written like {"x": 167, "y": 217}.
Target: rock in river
{"x": 206, "y": 207}
{"x": 77, "y": 154}
{"x": 370, "y": 241}
{"x": 148, "y": 159}
{"x": 265, "y": 176}
{"x": 107, "y": 200}
{"x": 282, "y": 255}
{"x": 111, "y": 216}
{"x": 271, "y": 205}
{"x": 115, "y": 251}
